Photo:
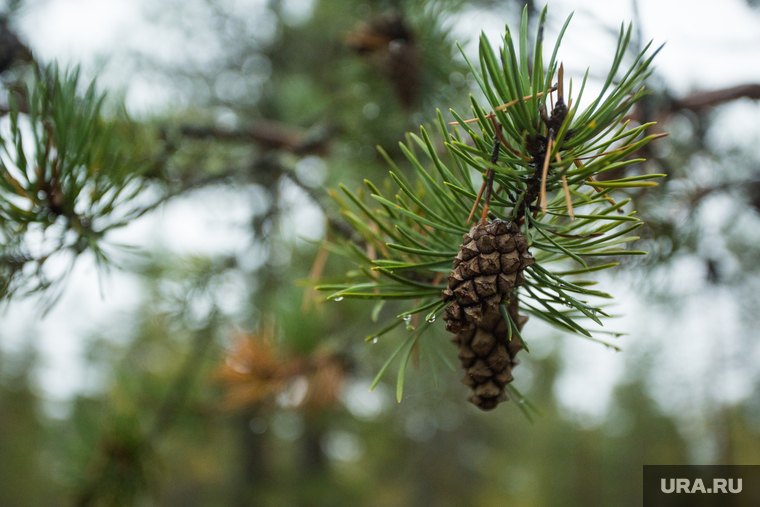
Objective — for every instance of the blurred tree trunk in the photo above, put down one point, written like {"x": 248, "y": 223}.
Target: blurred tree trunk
{"x": 253, "y": 469}
{"x": 312, "y": 464}
{"x": 312, "y": 458}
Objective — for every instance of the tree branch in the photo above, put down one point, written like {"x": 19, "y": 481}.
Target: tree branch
{"x": 702, "y": 100}
{"x": 269, "y": 135}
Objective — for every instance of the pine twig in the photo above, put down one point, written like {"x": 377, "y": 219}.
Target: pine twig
{"x": 502, "y": 107}
{"x": 566, "y": 189}
{"x": 545, "y": 173}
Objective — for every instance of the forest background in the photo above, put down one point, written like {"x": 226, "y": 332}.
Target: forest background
{"x": 125, "y": 392}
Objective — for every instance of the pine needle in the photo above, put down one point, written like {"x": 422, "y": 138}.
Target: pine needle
{"x": 544, "y": 174}
{"x": 656, "y": 136}
{"x": 590, "y": 181}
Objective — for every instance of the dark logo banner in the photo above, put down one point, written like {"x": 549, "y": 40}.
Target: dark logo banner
{"x": 701, "y": 486}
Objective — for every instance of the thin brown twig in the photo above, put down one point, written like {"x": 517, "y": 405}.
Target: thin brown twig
{"x": 499, "y": 133}
{"x": 568, "y": 199}
{"x": 505, "y": 106}
{"x": 487, "y": 184}
{"x": 545, "y": 173}
{"x": 514, "y": 151}
{"x": 498, "y": 139}
{"x": 487, "y": 200}
{"x": 527, "y": 97}
{"x": 477, "y": 201}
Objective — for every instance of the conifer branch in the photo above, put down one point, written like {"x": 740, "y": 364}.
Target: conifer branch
{"x": 577, "y": 223}
{"x": 73, "y": 175}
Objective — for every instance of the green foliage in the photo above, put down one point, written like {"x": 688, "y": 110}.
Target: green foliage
{"x": 106, "y": 450}
{"x": 67, "y": 176}
{"x": 411, "y": 232}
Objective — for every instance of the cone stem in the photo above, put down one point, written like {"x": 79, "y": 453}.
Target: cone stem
{"x": 498, "y": 139}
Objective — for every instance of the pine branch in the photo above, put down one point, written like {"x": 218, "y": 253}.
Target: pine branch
{"x": 702, "y": 100}
{"x": 553, "y": 204}
{"x": 73, "y": 175}
{"x": 269, "y": 134}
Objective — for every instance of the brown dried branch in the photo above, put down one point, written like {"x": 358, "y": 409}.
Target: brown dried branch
{"x": 269, "y": 134}
{"x": 702, "y": 100}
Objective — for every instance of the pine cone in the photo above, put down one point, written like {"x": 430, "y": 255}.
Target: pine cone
{"x": 486, "y": 270}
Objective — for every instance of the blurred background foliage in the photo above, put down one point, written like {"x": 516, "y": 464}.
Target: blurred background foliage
{"x": 232, "y": 384}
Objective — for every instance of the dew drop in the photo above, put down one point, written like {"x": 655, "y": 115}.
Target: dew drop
{"x": 374, "y": 340}
{"x": 431, "y": 319}
{"x": 339, "y": 299}
{"x": 407, "y": 318}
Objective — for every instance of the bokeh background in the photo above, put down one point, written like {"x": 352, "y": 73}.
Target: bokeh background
{"x": 139, "y": 387}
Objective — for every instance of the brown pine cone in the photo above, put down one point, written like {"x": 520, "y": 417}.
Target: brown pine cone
{"x": 486, "y": 270}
